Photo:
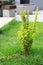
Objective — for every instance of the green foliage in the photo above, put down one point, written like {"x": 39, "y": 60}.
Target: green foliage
{"x": 10, "y": 45}
{"x": 1, "y": 31}
{"x": 8, "y": 2}
{"x": 11, "y": 1}
{"x": 26, "y": 32}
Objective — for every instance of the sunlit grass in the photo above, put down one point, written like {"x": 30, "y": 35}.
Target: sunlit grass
{"x": 11, "y": 47}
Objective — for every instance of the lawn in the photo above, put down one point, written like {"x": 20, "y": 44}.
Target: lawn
{"x": 11, "y": 50}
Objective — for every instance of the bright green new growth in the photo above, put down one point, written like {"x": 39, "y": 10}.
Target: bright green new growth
{"x": 26, "y": 32}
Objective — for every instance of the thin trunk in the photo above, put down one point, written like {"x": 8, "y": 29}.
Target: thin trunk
{"x": 26, "y": 50}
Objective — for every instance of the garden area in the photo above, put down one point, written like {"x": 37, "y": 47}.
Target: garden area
{"x": 12, "y": 49}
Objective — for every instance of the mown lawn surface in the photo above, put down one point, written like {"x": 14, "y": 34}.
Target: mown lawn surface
{"x": 11, "y": 49}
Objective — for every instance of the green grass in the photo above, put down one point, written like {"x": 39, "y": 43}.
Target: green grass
{"x": 9, "y": 45}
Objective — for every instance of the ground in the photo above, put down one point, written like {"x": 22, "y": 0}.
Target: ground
{"x": 11, "y": 50}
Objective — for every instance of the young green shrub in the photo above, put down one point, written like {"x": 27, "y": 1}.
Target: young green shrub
{"x": 26, "y": 32}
